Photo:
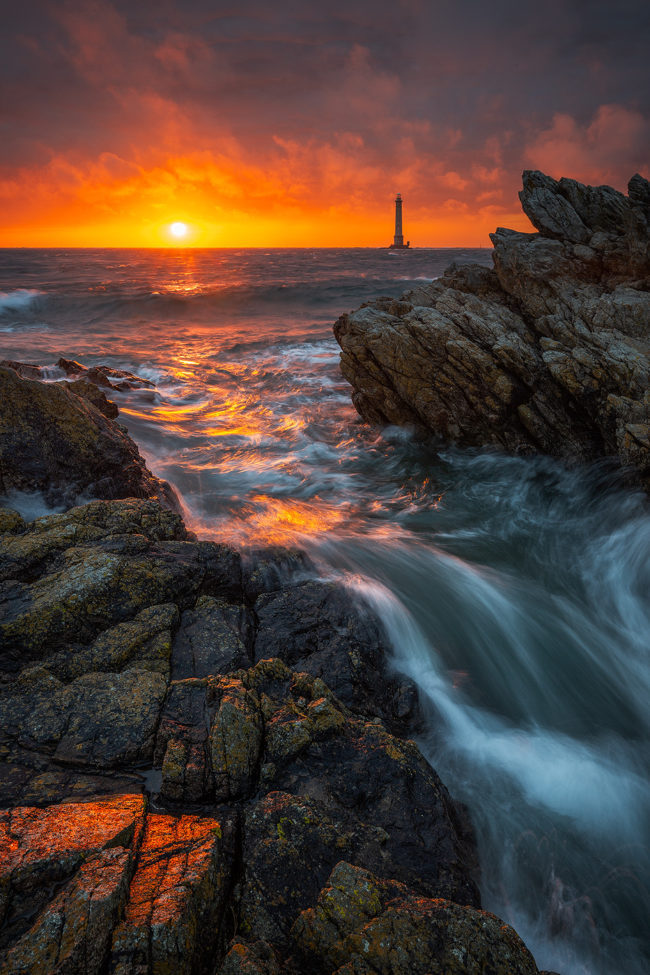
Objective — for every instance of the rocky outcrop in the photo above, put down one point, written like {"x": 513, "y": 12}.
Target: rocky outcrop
{"x": 361, "y": 924}
{"x": 549, "y": 351}
{"x": 136, "y": 659}
{"x": 105, "y": 376}
{"x": 62, "y": 441}
{"x": 204, "y": 766}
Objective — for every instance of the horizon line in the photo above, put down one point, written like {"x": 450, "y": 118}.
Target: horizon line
{"x": 242, "y": 247}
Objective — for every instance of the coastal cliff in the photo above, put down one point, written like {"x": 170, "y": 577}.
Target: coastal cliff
{"x": 205, "y": 766}
{"x": 548, "y": 351}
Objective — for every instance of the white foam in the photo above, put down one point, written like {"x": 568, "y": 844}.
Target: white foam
{"x": 30, "y": 504}
{"x": 596, "y": 785}
{"x": 17, "y": 300}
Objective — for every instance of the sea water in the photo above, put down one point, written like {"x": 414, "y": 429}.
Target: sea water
{"x": 514, "y": 591}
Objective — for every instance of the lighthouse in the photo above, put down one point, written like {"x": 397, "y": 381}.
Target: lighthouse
{"x": 398, "y": 242}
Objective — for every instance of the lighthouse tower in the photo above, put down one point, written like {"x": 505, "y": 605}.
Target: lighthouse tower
{"x": 398, "y": 242}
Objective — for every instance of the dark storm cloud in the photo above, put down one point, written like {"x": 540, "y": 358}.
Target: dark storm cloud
{"x": 466, "y": 92}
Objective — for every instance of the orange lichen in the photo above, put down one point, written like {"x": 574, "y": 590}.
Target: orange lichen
{"x": 31, "y": 836}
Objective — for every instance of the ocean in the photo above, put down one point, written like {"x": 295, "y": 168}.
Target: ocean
{"x": 514, "y": 590}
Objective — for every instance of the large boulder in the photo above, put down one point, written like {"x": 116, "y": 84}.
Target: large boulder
{"x": 65, "y": 446}
{"x": 361, "y": 924}
{"x": 550, "y": 351}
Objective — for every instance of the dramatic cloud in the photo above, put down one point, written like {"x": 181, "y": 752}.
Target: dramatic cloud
{"x": 287, "y": 124}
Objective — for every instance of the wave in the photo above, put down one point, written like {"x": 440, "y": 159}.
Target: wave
{"x": 322, "y": 299}
{"x": 19, "y": 300}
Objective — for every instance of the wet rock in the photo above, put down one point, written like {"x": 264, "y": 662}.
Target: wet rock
{"x": 103, "y": 375}
{"x": 320, "y": 628}
{"x": 361, "y": 925}
{"x": 58, "y": 443}
{"x": 550, "y": 351}
{"x": 88, "y": 391}
{"x": 26, "y": 370}
{"x": 273, "y": 568}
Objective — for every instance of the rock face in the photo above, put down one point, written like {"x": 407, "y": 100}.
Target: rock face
{"x": 133, "y": 654}
{"x": 204, "y": 767}
{"x": 549, "y": 351}
{"x": 61, "y": 440}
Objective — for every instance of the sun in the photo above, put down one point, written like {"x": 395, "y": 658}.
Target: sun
{"x": 178, "y": 229}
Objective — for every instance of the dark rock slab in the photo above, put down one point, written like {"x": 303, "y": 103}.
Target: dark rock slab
{"x": 322, "y": 629}
{"x": 58, "y": 443}
{"x": 213, "y": 638}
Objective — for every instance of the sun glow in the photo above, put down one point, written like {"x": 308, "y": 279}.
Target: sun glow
{"x": 178, "y": 229}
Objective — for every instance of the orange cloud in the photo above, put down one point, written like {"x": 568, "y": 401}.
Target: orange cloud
{"x": 607, "y": 150}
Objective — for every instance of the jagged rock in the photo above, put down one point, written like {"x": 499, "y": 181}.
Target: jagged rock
{"x": 40, "y": 848}
{"x": 102, "y": 886}
{"x": 73, "y": 933}
{"x": 176, "y": 898}
{"x": 60, "y": 444}
{"x": 90, "y": 392}
{"x": 341, "y": 784}
{"x": 103, "y": 375}
{"x": 71, "y": 576}
{"x": 250, "y": 959}
{"x": 549, "y": 351}
{"x": 90, "y": 601}
{"x": 320, "y": 628}
{"x": 362, "y": 925}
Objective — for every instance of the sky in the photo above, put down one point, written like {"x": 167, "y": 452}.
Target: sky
{"x": 295, "y": 123}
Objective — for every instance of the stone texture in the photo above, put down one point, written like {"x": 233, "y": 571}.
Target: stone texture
{"x": 73, "y": 575}
{"x": 73, "y": 933}
{"x": 175, "y": 900}
{"x": 105, "y": 887}
{"x": 362, "y": 925}
{"x": 213, "y": 638}
{"x": 59, "y": 443}
{"x": 550, "y": 351}
{"x": 320, "y": 628}
{"x": 40, "y": 849}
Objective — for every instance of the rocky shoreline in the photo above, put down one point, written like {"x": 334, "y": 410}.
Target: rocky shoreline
{"x": 205, "y": 764}
{"x": 547, "y": 352}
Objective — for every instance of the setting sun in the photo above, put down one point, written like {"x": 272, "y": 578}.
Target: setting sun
{"x": 178, "y": 229}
